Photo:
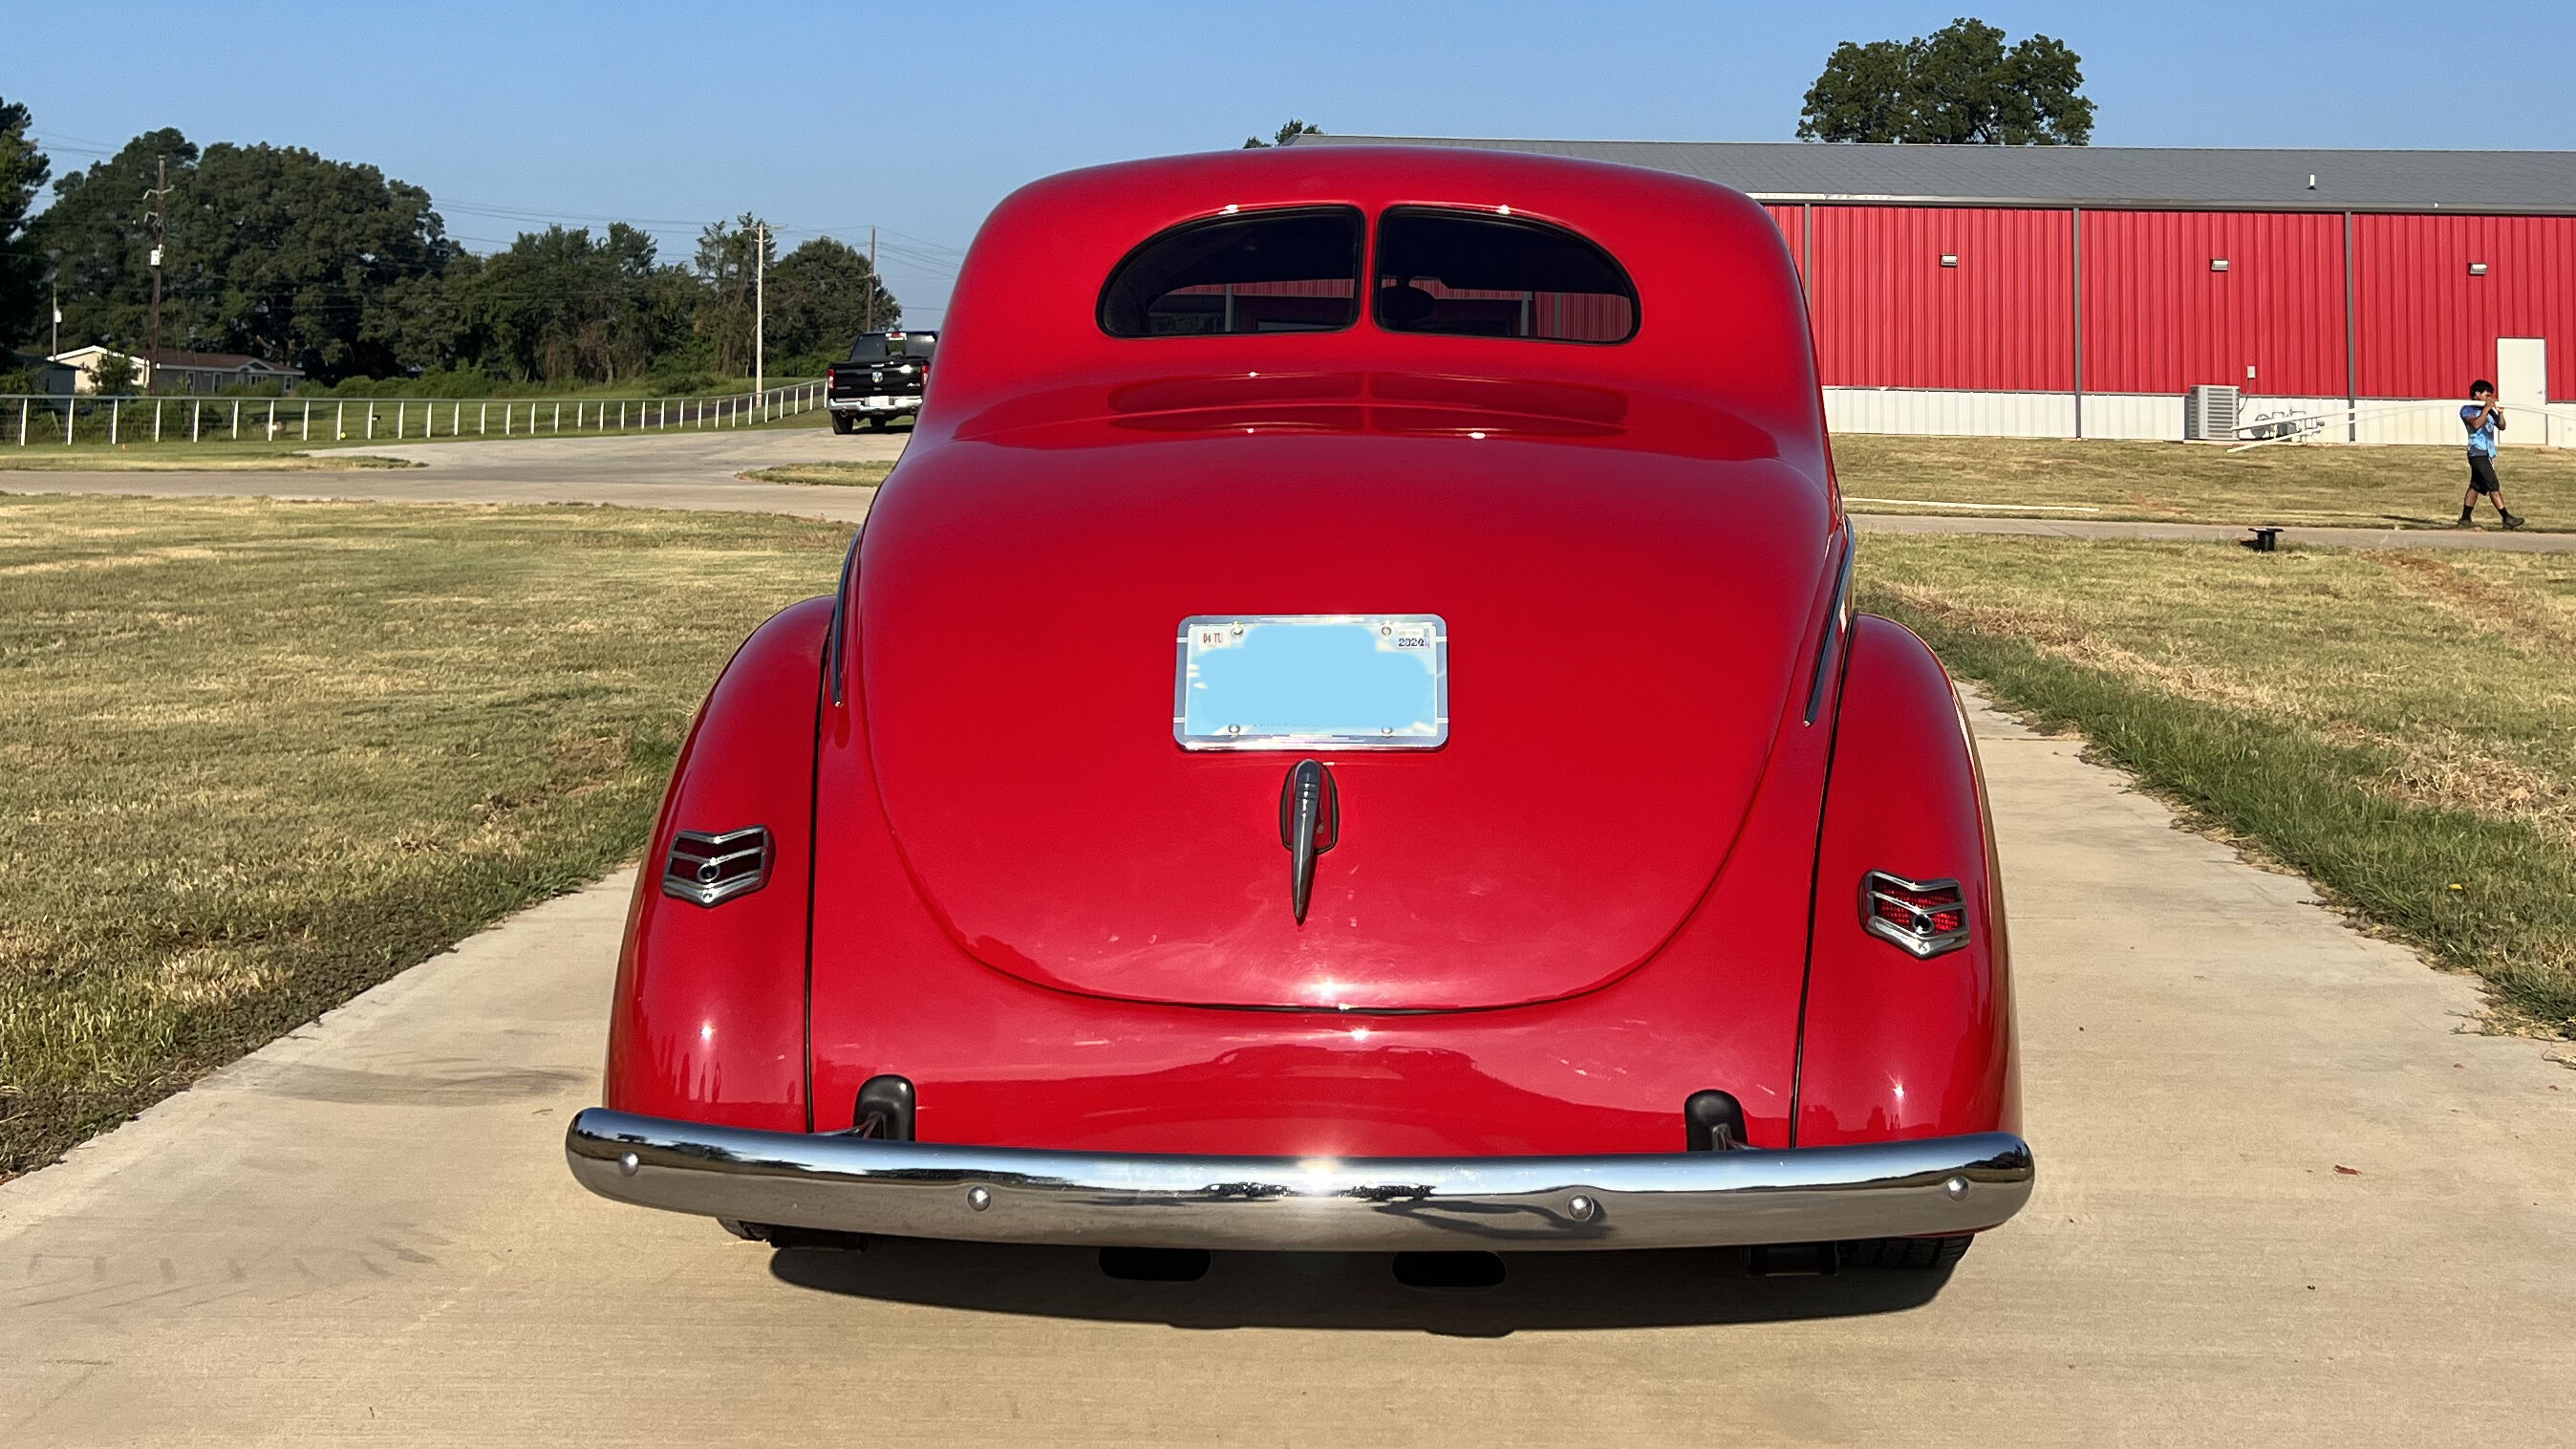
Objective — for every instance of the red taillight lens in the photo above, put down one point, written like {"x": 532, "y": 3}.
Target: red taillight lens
{"x": 1926, "y": 917}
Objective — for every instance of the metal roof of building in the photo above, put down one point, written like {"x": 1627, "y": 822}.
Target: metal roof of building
{"x": 2110, "y": 176}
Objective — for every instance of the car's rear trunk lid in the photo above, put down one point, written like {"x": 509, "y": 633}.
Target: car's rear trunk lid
{"x": 1625, "y": 631}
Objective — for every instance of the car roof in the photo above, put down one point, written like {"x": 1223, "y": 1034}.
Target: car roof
{"x": 1722, "y": 318}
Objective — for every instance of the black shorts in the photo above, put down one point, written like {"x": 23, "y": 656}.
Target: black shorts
{"x": 2482, "y": 478}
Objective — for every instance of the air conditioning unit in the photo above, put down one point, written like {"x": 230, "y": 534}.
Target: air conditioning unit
{"x": 2209, "y": 414}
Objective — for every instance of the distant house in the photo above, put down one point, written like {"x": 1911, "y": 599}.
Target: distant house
{"x": 191, "y": 372}
{"x": 52, "y": 376}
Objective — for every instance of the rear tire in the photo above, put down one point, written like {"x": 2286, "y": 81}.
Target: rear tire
{"x": 1911, "y": 1255}
{"x": 843, "y": 424}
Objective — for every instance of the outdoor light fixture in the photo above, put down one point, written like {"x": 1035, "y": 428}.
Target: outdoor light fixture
{"x": 2477, "y": 269}
{"x": 1949, "y": 259}
{"x": 2218, "y": 264}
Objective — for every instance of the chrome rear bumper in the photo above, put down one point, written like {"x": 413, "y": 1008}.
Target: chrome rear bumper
{"x": 1927, "y": 1188}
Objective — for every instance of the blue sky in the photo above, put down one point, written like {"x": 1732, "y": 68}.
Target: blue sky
{"x": 919, "y": 116}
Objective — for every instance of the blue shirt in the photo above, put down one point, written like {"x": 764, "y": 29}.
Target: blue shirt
{"x": 2482, "y": 438}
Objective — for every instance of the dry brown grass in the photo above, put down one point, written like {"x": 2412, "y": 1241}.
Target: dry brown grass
{"x": 257, "y": 756}
{"x": 2395, "y": 723}
{"x": 2367, "y": 487}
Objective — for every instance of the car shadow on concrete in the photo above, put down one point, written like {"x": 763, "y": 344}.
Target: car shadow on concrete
{"x": 1353, "y": 1290}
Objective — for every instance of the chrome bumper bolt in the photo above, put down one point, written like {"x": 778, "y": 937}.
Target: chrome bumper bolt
{"x": 1956, "y": 1187}
{"x": 1581, "y": 1208}
{"x": 629, "y": 1164}
{"x": 979, "y": 1198}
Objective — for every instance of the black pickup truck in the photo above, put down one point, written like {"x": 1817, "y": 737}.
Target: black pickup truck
{"x": 881, "y": 381}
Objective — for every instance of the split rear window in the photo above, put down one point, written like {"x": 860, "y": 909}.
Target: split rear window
{"x": 1266, "y": 271}
{"x": 1437, "y": 270}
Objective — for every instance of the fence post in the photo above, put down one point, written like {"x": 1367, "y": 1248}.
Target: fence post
{"x": 71, "y": 417}
{"x": 113, "y": 404}
{"x": 340, "y": 422}
{"x": 308, "y": 421}
{"x": 156, "y": 420}
{"x": 23, "y": 405}
{"x": 482, "y": 419}
{"x": 272, "y": 420}
{"x": 236, "y": 437}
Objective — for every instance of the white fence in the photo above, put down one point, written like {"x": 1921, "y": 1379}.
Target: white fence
{"x": 55, "y": 418}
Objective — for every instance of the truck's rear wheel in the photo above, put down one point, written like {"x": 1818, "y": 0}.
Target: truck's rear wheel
{"x": 843, "y": 424}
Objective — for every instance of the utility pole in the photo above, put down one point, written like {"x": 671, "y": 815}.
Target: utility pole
{"x": 872, "y": 279}
{"x": 759, "y": 305}
{"x": 160, "y": 195}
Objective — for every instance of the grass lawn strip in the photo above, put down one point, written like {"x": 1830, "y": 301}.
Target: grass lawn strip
{"x": 2324, "y": 485}
{"x": 2400, "y": 728}
{"x": 258, "y": 756}
{"x": 224, "y": 457}
{"x": 842, "y": 475}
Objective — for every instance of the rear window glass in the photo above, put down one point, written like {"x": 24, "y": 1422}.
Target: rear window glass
{"x": 1474, "y": 274}
{"x": 871, "y": 347}
{"x": 1270, "y": 271}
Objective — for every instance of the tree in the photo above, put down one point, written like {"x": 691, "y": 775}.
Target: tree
{"x": 821, "y": 296}
{"x": 23, "y": 169}
{"x": 561, "y": 305}
{"x": 725, "y": 256}
{"x": 1287, "y": 133}
{"x": 113, "y": 373}
{"x": 272, "y": 251}
{"x": 1959, "y": 85}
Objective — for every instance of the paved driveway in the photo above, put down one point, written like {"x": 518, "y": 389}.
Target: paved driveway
{"x": 365, "y": 1234}
{"x": 697, "y": 470}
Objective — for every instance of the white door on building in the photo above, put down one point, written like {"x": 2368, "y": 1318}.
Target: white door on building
{"x": 2522, "y": 385}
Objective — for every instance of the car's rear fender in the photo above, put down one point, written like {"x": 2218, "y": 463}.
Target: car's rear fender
{"x": 709, "y": 1022}
{"x": 1892, "y": 1046}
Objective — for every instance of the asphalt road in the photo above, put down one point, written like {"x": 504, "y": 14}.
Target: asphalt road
{"x": 2285, "y": 1198}
{"x": 697, "y": 470}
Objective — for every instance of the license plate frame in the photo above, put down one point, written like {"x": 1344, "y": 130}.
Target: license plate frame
{"x": 1323, "y": 682}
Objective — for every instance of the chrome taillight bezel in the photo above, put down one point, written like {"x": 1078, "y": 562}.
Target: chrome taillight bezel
{"x": 1921, "y": 934}
{"x": 708, "y": 869}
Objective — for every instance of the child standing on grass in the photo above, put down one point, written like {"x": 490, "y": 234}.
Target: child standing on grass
{"x": 2483, "y": 419}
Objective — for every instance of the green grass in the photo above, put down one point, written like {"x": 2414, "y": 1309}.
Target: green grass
{"x": 2361, "y": 487}
{"x": 2398, "y": 726}
{"x": 257, "y": 756}
{"x": 842, "y": 475}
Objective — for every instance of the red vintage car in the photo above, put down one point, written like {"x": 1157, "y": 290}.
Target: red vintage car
{"x": 1344, "y": 731}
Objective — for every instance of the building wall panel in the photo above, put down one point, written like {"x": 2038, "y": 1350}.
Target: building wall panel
{"x": 2153, "y": 417}
{"x": 2158, "y": 318}
{"x": 2427, "y": 327}
{"x": 1950, "y": 414}
{"x": 1792, "y": 221}
{"x": 1888, "y": 314}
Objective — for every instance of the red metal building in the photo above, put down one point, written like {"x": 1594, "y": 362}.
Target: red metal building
{"x": 2085, "y": 290}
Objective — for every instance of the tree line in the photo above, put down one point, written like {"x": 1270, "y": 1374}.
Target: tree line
{"x": 335, "y": 269}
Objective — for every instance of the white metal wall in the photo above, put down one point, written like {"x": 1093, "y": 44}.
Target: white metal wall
{"x": 2158, "y": 416}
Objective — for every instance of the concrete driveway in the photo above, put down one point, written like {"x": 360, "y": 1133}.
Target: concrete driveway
{"x": 2285, "y": 1198}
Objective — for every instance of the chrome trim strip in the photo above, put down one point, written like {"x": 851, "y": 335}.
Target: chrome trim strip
{"x": 1929, "y": 1187}
{"x": 1837, "y": 627}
